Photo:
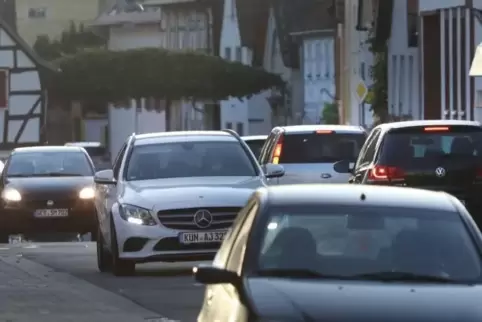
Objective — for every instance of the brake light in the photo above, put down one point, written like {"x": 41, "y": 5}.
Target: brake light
{"x": 436, "y": 129}
{"x": 277, "y": 151}
{"x": 381, "y": 173}
{"x": 323, "y": 132}
{"x": 478, "y": 173}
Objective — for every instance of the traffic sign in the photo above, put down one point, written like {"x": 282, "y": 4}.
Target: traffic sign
{"x": 361, "y": 91}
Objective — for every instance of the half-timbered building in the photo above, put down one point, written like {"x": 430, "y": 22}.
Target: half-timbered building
{"x": 23, "y": 96}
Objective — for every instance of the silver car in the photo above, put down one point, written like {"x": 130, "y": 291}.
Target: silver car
{"x": 308, "y": 153}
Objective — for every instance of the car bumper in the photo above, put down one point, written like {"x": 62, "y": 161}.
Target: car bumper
{"x": 20, "y": 219}
{"x": 144, "y": 244}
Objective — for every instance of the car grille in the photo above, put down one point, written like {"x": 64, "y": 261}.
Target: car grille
{"x": 42, "y": 204}
{"x": 183, "y": 219}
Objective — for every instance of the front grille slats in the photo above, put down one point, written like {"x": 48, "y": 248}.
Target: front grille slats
{"x": 183, "y": 219}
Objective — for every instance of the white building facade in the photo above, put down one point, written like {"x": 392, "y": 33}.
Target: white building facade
{"x": 23, "y": 98}
{"x": 158, "y": 26}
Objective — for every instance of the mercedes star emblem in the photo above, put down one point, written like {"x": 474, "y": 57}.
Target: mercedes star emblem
{"x": 50, "y": 203}
{"x": 203, "y": 218}
{"x": 440, "y": 172}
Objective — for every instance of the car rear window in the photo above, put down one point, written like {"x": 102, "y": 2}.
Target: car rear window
{"x": 255, "y": 146}
{"x": 95, "y": 151}
{"x": 417, "y": 145}
{"x": 321, "y": 148}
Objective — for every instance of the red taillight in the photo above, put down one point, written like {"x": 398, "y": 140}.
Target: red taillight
{"x": 478, "y": 173}
{"x": 436, "y": 129}
{"x": 385, "y": 173}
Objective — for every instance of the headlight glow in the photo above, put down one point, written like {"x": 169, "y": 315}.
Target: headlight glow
{"x": 87, "y": 193}
{"x": 137, "y": 215}
{"x": 10, "y": 194}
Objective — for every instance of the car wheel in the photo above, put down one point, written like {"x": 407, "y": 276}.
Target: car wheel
{"x": 104, "y": 258}
{"x": 120, "y": 267}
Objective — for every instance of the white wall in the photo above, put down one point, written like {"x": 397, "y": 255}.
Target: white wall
{"x": 404, "y": 67}
{"x": 233, "y": 111}
{"x": 318, "y": 57}
{"x": 123, "y": 122}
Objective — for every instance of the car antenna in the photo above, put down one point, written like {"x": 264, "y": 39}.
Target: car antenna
{"x": 363, "y": 197}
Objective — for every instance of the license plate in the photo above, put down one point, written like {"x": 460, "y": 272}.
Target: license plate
{"x": 202, "y": 237}
{"x": 51, "y": 213}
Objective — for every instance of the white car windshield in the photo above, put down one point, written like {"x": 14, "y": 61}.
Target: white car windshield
{"x": 351, "y": 242}
{"x": 189, "y": 159}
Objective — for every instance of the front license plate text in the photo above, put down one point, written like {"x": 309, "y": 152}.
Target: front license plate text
{"x": 202, "y": 237}
{"x": 51, "y": 213}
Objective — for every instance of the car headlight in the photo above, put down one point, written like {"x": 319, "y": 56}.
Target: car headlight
{"x": 87, "y": 193}
{"x": 137, "y": 215}
{"x": 10, "y": 194}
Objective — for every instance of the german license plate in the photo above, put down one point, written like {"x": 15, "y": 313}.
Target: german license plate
{"x": 51, "y": 213}
{"x": 202, "y": 237}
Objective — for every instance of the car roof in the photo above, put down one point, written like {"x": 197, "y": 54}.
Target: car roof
{"x": 407, "y": 124}
{"x": 254, "y": 137}
{"x": 351, "y": 195}
{"x": 48, "y": 148}
{"x": 183, "y": 136}
{"x": 299, "y": 129}
{"x": 84, "y": 144}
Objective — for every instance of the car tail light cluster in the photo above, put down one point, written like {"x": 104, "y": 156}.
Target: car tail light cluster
{"x": 277, "y": 151}
{"x": 478, "y": 173}
{"x": 381, "y": 173}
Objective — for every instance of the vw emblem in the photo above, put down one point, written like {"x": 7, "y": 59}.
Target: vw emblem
{"x": 203, "y": 218}
{"x": 440, "y": 172}
{"x": 50, "y": 203}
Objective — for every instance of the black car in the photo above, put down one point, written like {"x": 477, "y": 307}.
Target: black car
{"x": 346, "y": 253}
{"x": 48, "y": 189}
{"x": 435, "y": 155}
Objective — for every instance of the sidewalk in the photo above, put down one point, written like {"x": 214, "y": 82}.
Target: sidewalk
{"x": 30, "y": 292}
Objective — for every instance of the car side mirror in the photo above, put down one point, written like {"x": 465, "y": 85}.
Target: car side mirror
{"x": 104, "y": 177}
{"x": 344, "y": 166}
{"x": 272, "y": 170}
{"x": 209, "y": 275}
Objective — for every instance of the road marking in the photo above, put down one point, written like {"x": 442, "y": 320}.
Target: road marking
{"x": 4, "y": 248}
{"x": 30, "y": 246}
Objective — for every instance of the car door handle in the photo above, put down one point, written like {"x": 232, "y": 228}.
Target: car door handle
{"x": 325, "y": 176}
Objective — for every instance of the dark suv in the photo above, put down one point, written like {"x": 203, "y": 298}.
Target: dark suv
{"x": 443, "y": 155}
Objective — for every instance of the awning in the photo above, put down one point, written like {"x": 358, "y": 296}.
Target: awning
{"x": 476, "y": 67}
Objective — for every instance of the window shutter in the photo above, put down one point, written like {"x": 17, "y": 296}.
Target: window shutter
{"x": 4, "y": 89}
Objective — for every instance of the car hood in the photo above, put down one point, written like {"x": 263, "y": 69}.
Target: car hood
{"x": 305, "y": 300}
{"x": 198, "y": 192}
{"x": 49, "y": 185}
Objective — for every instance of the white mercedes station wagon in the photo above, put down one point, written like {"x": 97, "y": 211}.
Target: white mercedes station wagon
{"x": 172, "y": 196}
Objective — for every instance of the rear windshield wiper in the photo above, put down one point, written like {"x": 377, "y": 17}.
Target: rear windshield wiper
{"x": 394, "y": 276}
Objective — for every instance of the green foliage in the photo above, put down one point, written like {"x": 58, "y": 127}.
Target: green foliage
{"x": 378, "y": 95}
{"x": 112, "y": 76}
{"x": 330, "y": 114}
{"x": 71, "y": 41}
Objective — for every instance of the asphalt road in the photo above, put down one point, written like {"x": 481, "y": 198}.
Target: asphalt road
{"x": 165, "y": 288}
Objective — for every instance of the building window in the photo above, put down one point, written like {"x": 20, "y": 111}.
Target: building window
{"x": 229, "y": 125}
{"x": 227, "y": 53}
{"x": 412, "y": 23}
{"x": 4, "y": 89}
{"x": 37, "y": 13}
{"x": 240, "y": 128}
{"x": 239, "y": 54}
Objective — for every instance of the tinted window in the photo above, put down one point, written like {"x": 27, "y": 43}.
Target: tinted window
{"x": 188, "y": 159}
{"x": 96, "y": 151}
{"x": 415, "y": 146}
{"x": 318, "y": 148}
{"x": 255, "y": 146}
{"x": 48, "y": 164}
{"x": 351, "y": 241}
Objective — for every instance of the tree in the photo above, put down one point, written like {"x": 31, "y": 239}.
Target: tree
{"x": 330, "y": 114}
{"x": 71, "y": 41}
{"x": 112, "y": 76}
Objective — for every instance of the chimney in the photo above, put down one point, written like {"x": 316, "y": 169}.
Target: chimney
{"x": 8, "y": 13}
